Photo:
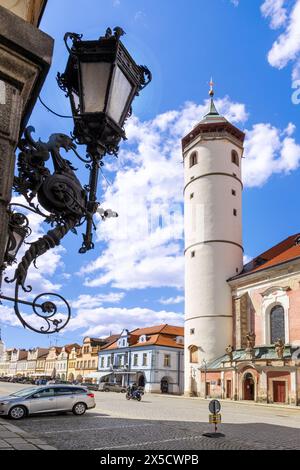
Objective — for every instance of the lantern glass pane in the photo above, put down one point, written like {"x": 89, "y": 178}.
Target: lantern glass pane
{"x": 94, "y": 77}
{"x": 14, "y": 244}
{"x": 76, "y": 101}
{"x": 121, "y": 90}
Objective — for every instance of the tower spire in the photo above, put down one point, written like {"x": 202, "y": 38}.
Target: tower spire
{"x": 212, "y": 109}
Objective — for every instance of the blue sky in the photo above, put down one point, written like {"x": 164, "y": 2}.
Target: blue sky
{"x": 134, "y": 277}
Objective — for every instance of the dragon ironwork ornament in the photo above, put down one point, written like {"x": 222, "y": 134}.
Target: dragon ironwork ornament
{"x": 65, "y": 204}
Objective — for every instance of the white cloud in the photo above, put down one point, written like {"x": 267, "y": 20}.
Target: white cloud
{"x": 94, "y": 301}
{"x": 172, "y": 300}
{"x": 247, "y": 259}
{"x": 235, "y": 2}
{"x": 287, "y": 47}
{"x": 269, "y": 151}
{"x": 276, "y": 11}
{"x": 102, "y": 321}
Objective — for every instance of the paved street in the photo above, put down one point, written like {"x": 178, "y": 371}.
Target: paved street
{"x": 165, "y": 422}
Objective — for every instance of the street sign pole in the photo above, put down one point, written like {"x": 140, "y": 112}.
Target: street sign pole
{"x": 214, "y": 418}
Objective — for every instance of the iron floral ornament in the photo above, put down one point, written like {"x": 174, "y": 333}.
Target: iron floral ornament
{"x": 64, "y": 204}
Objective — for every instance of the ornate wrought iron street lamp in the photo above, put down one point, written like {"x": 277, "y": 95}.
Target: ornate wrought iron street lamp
{"x": 101, "y": 80}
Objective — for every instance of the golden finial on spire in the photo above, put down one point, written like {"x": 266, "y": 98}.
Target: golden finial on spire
{"x": 211, "y": 91}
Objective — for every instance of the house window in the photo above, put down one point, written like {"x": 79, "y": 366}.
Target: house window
{"x": 235, "y": 157}
{"x": 144, "y": 359}
{"x": 93, "y": 364}
{"x": 193, "y": 159}
{"x": 135, "y": 359}
{"x": 277, "y": 327}
{"x": 167, "y": 360}
{"x": 102, "y": 362}
{"x": 193, "y": 354}
{"x": 108, "y": 361}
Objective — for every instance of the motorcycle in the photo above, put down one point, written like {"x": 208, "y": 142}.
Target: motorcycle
{"x": 134, "y": 395}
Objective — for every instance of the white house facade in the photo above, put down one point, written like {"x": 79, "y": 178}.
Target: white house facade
{"x": 152, "y": 358}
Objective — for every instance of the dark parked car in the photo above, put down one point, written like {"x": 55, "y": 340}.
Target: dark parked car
{"x": 90, "y": 386}
{"x": 112, "y": 387}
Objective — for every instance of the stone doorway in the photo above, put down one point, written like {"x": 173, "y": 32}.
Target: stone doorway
{"x": 279, "y": 395}
{"x": 249, "y": 387}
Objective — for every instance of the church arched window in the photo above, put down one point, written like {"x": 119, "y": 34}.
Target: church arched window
{"x": 277, "y": 328}
{"x": 193, "y": 354}
{"x": 235, "y": 157}
{"x": 193, "y": 159}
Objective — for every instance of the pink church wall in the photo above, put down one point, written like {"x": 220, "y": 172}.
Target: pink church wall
{"x": 294, "y": 315}
{"x": 255, "y": 311}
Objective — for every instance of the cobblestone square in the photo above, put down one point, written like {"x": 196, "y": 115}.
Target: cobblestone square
{"x": 161, "y": 422}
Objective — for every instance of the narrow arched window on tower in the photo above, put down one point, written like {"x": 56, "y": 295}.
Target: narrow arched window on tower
{"x": 193, "y": 354}
{"x": 193, "y": 159}
{"x": 277, "y": 328}
{"x": 235, "y": 157}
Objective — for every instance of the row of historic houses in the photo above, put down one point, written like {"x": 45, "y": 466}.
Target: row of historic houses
{"x": 151, "y": 357}
{"x": 71, "y": 362}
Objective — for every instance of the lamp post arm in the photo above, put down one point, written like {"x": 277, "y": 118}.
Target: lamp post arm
{"x": 92, "y": 204}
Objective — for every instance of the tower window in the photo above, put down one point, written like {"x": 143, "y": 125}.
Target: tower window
{"x": 193, "y": 254}
{"x": 235, "y": 212}
{"x": 235, "y": 157}
{"x": 192, "y": 331}
{"x": 193, "y": 354}
{"x": 193, "y": 159}
{"x": 191, "y": 195}
{"x": 233, "y": 192}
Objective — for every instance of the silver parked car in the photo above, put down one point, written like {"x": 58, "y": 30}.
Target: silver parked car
{"x": 47, "y": 399}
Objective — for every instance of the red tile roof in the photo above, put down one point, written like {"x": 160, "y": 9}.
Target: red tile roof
{"x": 284, "y": 251}
{"x": 161, "y": 335}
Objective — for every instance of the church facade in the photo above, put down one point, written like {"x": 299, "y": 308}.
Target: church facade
{"x": 242, "y": 322}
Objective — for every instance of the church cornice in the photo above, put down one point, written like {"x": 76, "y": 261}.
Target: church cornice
{"x": 274, "y": 289}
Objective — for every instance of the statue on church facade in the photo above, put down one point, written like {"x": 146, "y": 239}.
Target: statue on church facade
{"x": 229, "y": 351}
{"x": 279, "y": 348}
{"x": 250, "y": 338}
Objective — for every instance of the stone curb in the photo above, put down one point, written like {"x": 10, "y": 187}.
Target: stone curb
{"x": 238, "y": 402}
{"x": 14, "y": 438}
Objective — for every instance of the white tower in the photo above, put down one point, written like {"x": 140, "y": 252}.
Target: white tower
{"x": 212, "y": 154}
{"x": 2, "y": 347}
